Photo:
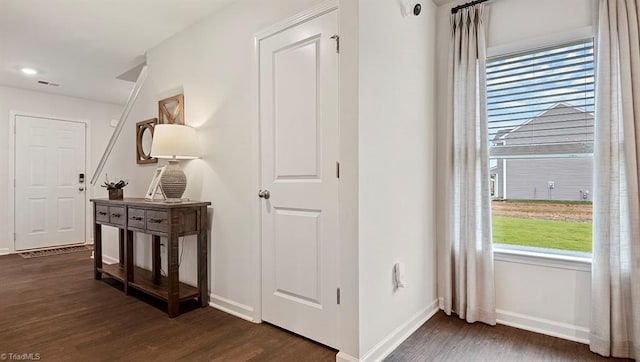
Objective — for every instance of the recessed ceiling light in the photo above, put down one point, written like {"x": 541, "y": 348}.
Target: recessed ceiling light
{"x": 29, "y": 71}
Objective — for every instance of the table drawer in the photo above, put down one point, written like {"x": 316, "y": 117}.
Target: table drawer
{"x": 116, "y": 215}
{"x": 136, "y": 218}
{"x": 157, "y": 221}
{"x": 102, "y": 213}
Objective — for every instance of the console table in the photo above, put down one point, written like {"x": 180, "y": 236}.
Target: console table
{"x": 160, "y": 219}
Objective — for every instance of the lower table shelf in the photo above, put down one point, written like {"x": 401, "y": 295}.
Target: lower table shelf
{"x": 143, "y": 280}
{"x": 115, "y": 271}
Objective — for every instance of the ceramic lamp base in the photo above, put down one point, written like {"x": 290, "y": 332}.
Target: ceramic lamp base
{"x": 173, "y": 182}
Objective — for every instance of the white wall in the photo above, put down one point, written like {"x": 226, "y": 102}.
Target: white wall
{"x": 14, "y": 99}
{"x": 548, "y": 299}
{"x": 396, "y": 172}
{"x": 551, "y": 298}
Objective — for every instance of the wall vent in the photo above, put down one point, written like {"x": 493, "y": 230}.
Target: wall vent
{"x": 44, "y": 82}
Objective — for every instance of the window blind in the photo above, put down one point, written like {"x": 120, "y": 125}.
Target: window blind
{"x": 541, "y": 103}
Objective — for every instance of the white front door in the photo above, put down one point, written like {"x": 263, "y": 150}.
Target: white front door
{"x": 299, "y": 151}
{"x": 49, "y": 198}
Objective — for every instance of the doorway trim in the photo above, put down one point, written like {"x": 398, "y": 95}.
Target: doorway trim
{"x": 297, "y": 19}
{"x": 11, "y": 227}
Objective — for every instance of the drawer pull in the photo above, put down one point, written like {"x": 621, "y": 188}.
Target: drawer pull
{"x": 156, "y": 221}
{"x": 136, "y": 218}
{"x": 116, "y": 215}
{"x": 102, "y": 213}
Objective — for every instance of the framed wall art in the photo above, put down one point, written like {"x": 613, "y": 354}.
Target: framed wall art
{"x": 144, "y": 139}
{"x": 171, "y": 110}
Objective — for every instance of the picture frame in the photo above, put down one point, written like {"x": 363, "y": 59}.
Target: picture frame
{"x": 144, "y": 138}
{"x": 155, "y": 184}
{"x": 171, "y": 110}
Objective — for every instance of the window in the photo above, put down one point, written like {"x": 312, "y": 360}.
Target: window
{"x": 541, "y": 125}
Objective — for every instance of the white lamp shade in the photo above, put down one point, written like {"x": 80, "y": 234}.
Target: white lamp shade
{"x": 174, "y": 140}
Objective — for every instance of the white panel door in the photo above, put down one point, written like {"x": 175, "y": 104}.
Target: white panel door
{"x": 299, "y": 151}
{"x": 49, "y": 199}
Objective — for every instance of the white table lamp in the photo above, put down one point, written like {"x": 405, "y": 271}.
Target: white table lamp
{"x": 175, "y": 142}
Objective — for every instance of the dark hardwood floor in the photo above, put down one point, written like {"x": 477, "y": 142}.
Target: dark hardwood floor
{"x": 52, "y": 306}
{"x": 445, "y": 338}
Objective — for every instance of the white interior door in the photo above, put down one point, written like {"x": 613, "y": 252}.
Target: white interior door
{"x": 49, "y": 198}
{"x": 299, "y": 151}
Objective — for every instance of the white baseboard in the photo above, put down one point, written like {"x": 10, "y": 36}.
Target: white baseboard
{"x": 5, "y": 251}
{"x": 109, "y": 260}
{"x": 400, "y": 334}
{"x": 543, "y": 326}
{"x": 343, "y": 357}
{"x": 232, "y": 307}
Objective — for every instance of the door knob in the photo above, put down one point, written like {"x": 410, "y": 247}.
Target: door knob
{"x": 264, "y": 194}
{"x": 81, "y": 188}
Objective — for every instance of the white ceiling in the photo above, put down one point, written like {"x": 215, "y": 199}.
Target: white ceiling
{"x": 83, "y": 45}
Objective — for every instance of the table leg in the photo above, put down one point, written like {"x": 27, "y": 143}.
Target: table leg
{"x": 128, "y": 261}
{"x": 97, "y": 251}
{"x": 203, "y": 285}
{"x": 121, "y": 246}
{"x": 172, "y": 274}
{"x": 155, "y": 259}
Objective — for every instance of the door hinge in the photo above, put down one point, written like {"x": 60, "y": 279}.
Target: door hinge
{"x": 14, "y": 237}
{"x": 338, "y": 295}
{"x": 337, "y": 169}
{"x": 337, "y": 38}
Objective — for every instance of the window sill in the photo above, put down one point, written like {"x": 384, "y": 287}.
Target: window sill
{"x": 569, "y": 262}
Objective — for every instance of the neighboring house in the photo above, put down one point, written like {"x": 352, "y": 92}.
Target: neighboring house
{"x": 562, "y": 130}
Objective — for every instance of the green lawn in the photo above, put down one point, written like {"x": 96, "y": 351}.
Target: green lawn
{"x": 575, "y": 236}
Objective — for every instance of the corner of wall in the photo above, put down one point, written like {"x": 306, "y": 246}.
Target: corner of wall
{"x": 348, "y": 204}
{"x": 400, "y": 334}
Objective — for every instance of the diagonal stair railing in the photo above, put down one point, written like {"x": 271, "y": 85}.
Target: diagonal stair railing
{"x": 121, "y": 122}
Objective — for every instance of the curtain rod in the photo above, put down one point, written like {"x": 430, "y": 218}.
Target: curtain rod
{"x": 455, "y": 10}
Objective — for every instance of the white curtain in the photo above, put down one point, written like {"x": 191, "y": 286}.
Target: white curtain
{"x": 468, "y": 256}
{"x": 615, "y": 304}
